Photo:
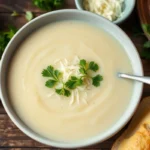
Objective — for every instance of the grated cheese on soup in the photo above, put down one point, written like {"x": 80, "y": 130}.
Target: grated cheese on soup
{"x": 72, "y": 69}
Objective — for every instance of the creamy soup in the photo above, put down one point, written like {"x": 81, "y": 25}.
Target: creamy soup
{"x": 86, "y": 112}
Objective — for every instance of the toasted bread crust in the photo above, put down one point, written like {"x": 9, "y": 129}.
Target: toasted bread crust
{"x": 141, "y": 117}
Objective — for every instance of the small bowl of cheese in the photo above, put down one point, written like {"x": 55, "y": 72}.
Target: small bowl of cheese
{"x": 114, "y": 10}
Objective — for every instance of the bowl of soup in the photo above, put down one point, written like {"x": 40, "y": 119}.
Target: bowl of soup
{"x": 59, "y": 82}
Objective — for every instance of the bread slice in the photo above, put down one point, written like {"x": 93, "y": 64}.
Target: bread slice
{"x": 137, "y": 135}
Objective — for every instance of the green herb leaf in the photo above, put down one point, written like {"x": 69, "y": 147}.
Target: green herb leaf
{"x": 11, "y": 32}
{"x": 57, "y": 74}
{"x": 48, "y": 5}
{"x": 5, "y": 37}
{"x": 146, "y": 28}
{"x": 83, "y": 67}
{"x": 15, "y": 14}
{"x": 50, "y": 69}
{"x": 146, "y": 44}
{"x": 50, "y": 83}
{"x": 50, "y": 72}
{"x": 74, "y": 82}
{"x": 83, "y": 63}
{"x": 96, "y": 80}
{"x": 82, "y": 71}
{"x": 29, "y": 15}
{"x": 93, "y": 66}
{"x": 46, "y": 73}
{"x": 63, "y": 92}
{"x": 58, "y": 3}
{"x": 44, "y": 4}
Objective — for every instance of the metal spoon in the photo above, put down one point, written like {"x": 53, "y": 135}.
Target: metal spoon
{"x": 133, "y": 77}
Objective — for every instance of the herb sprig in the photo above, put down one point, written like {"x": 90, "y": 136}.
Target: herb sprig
{"x": 53, "y": 74}
{"x": 85, "y": 67}
{"x": 74, "y": 82}
{"x": 55, "y": 78}
{"x": 5, "y": 37}
{"x": 48, "y": 5}
{"x": 146, "y": 52}
{"x": 146, "y": 46}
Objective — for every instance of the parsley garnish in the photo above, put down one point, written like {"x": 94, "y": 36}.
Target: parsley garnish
{"x": 146, "y": 51}
{"x": 29, "y": 15}
{"x": 146, "y": 46}
{"x": 55, "y": 77}
{"x": 93, "y": 66}
{"x": 85, "y": 67}
{"x": 146, "y": 28}
{"x": 5, "y": 37}
{"x": 96, "y": 80}
{"x": 53, "y": 74}
{"x": 63, "y": 91}
{"x": 74, "y": 82}
{"x": 48, "y": 5}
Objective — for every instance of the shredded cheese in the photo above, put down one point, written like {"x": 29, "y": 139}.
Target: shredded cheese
{"x": 71, "y": 68}
{"x": 110, "y": 9}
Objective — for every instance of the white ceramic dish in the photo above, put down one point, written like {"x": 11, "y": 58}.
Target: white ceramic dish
{"x": 90, "y": 18}
{"x": 127, "y": 9}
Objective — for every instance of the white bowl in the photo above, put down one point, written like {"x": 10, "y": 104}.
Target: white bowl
{"x": 90, "y": 18}
{"x": 127, "y": 9}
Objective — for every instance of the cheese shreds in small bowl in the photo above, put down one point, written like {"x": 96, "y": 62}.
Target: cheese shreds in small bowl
{"x": 110, "y": 9}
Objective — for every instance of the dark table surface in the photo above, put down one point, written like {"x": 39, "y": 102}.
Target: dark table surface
{"x": 11, "y": 138}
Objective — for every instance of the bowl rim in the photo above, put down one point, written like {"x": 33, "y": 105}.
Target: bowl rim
{"x": 84, "y": 143}
{"x": 120, "y": 19}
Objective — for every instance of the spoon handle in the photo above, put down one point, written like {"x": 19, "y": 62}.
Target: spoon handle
{"x": 137, "y": 78}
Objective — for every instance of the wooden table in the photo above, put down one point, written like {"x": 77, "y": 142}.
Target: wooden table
{"x": 11, "y": 138}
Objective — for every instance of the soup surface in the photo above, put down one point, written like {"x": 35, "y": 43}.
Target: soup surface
{"x": 85, "y": 113}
